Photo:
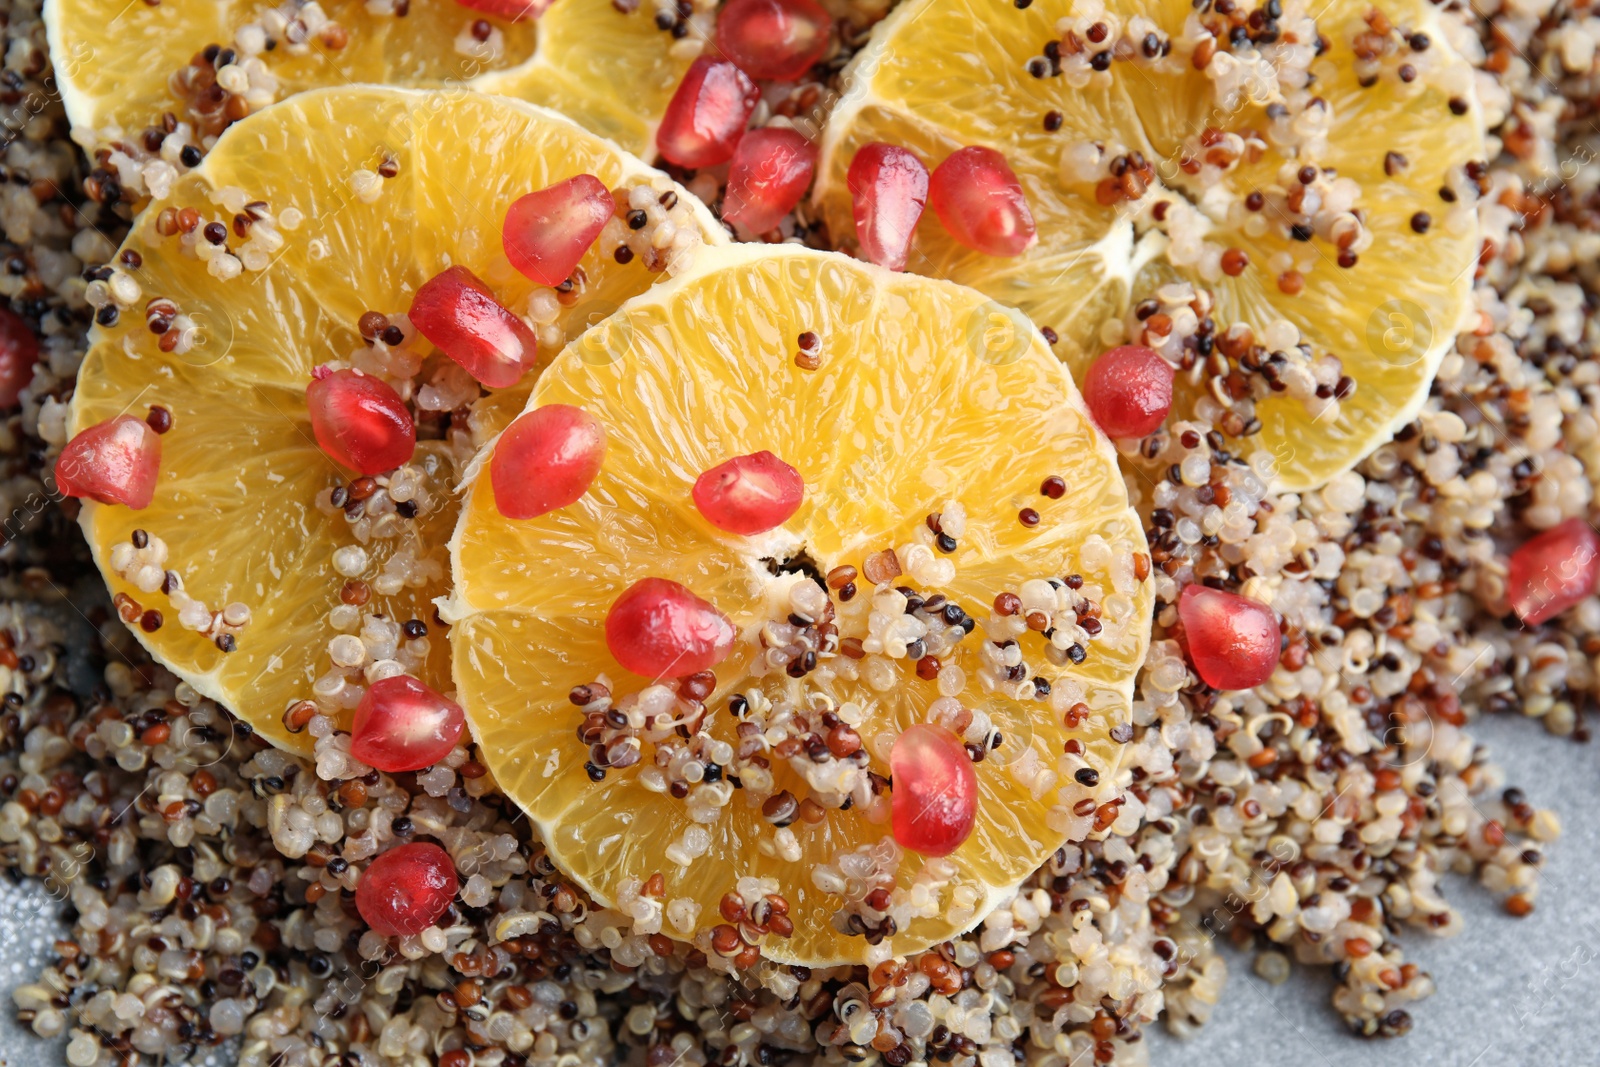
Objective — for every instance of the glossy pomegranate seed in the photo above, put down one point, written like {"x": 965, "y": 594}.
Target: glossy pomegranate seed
{"x": 1129, "y": 391}
{"x": 114, "y": 462}
{"x": 19, "y": 352}
{"x": 770, "y": 172}
{"x": 456, "y": 312}
{"x": 979, "y": 200}
{"x": 1554, "y": 570}
{"x": 402, "y": 725}
{"x": 660, "y": 629}
{"x": 749, "y": 494}
{"x": 360, "y": 420}
{"x": 1233, "y": 641}
{"x": 406, "y": 889}
{"x": 935, "y": 797}
{"x": 707, "y": 115}
{"x": 546, "y": 460}
{"x": 888, "y": 190}
{"x": 773, "y": 40}
{"x": 547, "y": 232}
{"x": 509, "y": 10}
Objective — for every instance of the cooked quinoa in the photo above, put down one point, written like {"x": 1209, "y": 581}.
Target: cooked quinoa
{"x": 211, "y": 877}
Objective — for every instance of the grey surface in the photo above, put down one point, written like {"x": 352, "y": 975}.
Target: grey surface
{"x": 1512, "y": 992}
{"x": 29, "y": 922}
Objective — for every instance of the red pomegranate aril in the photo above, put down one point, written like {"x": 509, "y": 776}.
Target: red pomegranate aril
{"x": 546, "y": 460}
{"x": 360, "y": 421}
{"x": 749, "y": 494}
{"x": 773, "y": 40}
{"x": 114, "y": 462}
{"x": 707, "y": 115}
{"x": 934, "y": 802}
{"x": 547, "y": 232}
{"x": 888, "y": 190}
{"x": 1233, "y": 641}
{"x": 19, "y": 353}
{"x": 979, "y": 200}
{"x": 405, "y": 890}
{"x": 1553, "y": 570}
{"x": 508, "y": 10}
{"x": 770, "y": 172}
{"x": 1129, "y": 391}
{"x": 403, "y": 725}
{"x": 659, "y": 629}
{"x": 456, "y": 312}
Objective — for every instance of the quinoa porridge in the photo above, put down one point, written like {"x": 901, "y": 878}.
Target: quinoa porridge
{"x": 372, "y": 894}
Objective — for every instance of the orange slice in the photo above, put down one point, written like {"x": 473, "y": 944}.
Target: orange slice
{"x": 897, "y": 398}
{"x": 1181, "y": 160}
{"x": 315, "y": 238}
{"x": 123, "y": 67}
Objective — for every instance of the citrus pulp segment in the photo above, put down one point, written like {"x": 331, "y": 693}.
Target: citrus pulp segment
{"x": 923, "y": 424}
{"x": 1319, "y": 173}
{"x": 247, "y": 506}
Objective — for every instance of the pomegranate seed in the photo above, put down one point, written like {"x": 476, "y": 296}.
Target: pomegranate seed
{"x": 706, "y": 116}
{"x": 114, "y": 462}
{"x": 749, "y": 494}
{"x": 770, "y": 172}
{"x": 935, "y": 797}
{"x": 547, "y": 232}
{"x": 979, "y": 200}
{"x": 1129, "y": 391}
{"x": 546, "y": 460}
{"x": 402, "y": 725}
{"x": 1554, "y": 570}
{"x": 509, "y": 10}
{"x": 1233, "y": 641}
{"x": 774, "y": 40}
{"x": 360, "y": 421}
{"x": 404, "y": 890}
{"x": 659, "y": 629}
{"x": 19, "y": 351}
{"x": 888, "y": 190}
{"x": 456, "y": 312}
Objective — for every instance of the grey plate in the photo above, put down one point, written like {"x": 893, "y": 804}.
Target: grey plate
{"x": 1511, "y": 991}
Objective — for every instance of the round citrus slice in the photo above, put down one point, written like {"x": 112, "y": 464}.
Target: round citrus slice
{"x": 1313, "y": 166}
{"x": 147, "y": 80}
{"x": 932, "y": 535}
{"x": 290, "y": 259}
